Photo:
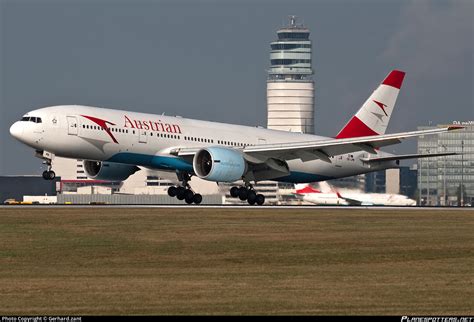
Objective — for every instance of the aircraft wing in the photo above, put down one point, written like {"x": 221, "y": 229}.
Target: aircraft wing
{"x": 324, "y": 149}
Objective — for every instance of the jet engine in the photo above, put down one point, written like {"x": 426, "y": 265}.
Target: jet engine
{"x": 219, "y": 164}
{"x": 108, "y": 170}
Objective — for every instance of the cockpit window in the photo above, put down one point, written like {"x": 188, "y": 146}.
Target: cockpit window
{"x": 31, "y": 119}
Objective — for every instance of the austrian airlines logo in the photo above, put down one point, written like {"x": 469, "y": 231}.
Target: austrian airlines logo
{"x": 103, "y": 124}
{"x": 382, "y": 106}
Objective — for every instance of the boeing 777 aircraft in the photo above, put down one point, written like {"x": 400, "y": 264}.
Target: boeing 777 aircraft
{"x": 116, "y": 143}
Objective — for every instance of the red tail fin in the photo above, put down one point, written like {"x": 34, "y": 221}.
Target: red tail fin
{"x": 374, "y": 115}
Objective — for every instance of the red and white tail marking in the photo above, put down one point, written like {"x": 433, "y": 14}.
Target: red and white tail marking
{"x": 374, "y": 115}
{"x": 302, "y": 189}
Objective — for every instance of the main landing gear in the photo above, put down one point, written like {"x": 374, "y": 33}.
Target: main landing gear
{"x": 249, "y": 194}
{"x": 184, "y": 191}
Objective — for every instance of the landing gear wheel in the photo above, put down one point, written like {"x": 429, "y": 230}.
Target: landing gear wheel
{"x": 188, "y": 196}
{"x": 172, "y": 191}
{"x": 181, "y": 193}
{"x": 49, "y": 175}
{"x": 189, "y": 200}
{"x": 251, "y": 197}
{"x": 234, "y": 192}
{"x": 243, "y": 193}
{"x": 260, "y": 199}
{"x": 197, "y": 198}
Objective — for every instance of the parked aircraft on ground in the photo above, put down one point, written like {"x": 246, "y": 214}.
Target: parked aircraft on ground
{"x": 327, "y": 195}
{"x": 115, "y": 143}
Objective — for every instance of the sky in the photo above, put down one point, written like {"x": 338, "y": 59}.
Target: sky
{"x": 209, "y": 59}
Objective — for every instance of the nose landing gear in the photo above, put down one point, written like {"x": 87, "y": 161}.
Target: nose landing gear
{"x": 47, "y": 174}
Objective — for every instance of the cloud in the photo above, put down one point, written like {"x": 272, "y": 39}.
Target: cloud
{"x": 434, "y": 39}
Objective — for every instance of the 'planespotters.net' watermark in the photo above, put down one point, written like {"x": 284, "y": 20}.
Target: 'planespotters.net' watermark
{"x": 436, "y": 319}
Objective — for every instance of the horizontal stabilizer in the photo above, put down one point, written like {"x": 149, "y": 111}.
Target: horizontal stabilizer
{"x": 350, "y": 201}
{"x": 407, "y": 156}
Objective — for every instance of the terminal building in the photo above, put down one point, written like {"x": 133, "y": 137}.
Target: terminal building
{"x": 447, "y": 180}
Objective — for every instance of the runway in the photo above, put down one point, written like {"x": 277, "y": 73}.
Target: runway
{"x": 245, "y": 207}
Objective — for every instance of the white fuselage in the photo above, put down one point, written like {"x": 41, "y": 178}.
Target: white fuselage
{"x": 147, "y": 139}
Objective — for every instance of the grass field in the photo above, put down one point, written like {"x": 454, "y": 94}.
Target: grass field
{"x": 232, "y": 261}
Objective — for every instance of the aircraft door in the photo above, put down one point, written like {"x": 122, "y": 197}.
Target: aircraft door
{"x": 72, "y": 127}
{"x": 142, "y": 136}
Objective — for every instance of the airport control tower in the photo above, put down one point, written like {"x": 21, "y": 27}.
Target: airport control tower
{"x": 290, "y": 86}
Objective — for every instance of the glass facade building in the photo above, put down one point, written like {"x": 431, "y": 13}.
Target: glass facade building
{"x": 447, "y": 180}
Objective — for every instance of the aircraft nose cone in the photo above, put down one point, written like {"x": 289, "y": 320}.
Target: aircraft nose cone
{"x": 16, "y": 130}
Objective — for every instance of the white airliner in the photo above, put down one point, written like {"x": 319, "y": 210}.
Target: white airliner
{"x": 328, "y": 195}
{"x": 116, "y": 143}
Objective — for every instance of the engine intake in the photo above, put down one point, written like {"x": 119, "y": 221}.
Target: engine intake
{"x": 108, "y": 170}
{"x": 219, "y": 164}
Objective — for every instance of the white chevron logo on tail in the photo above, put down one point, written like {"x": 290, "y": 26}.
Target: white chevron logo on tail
{"x": 374, "y": 115}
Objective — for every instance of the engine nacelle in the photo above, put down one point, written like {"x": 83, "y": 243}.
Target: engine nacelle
{"x": 219, "y": 164}
{"x": 108, "y": 170}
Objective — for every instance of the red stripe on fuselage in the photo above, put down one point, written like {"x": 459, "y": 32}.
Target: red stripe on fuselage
{"x": 103, "y": 124}
{"x": 355, "y": 128}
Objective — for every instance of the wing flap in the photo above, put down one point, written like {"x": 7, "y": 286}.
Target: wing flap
{"x": 406, "y": 156}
